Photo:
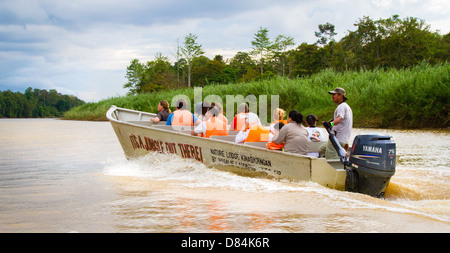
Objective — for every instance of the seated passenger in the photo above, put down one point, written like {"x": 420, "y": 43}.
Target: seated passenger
{"x": 272, "y": 145}
{"x": 239, "y": 120}
{"x": 254, "y": 131}
{"x": 198, "y": 109}
{"x": 163, "y": 112}
{"x": 220, "y": 108}
{"x": 212, "y": 125}
{"x": 181, "y": 116}
{"x": 315, "y": 134}
{"x": 294, "y": 135}
{"x": 203, "y": 109}
{"x": 278, "y": 116}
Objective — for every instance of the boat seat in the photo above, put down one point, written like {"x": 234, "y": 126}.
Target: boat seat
{"x": 313, "y": 146}
{"x": 174, "y": 128}
{"x": 229, "y": 138}
{"x": 260, "y": 144}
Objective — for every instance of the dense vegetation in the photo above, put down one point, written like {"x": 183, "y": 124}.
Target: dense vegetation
{"x": 36, "y": 103}
{"x": 374, "y": 44}
{"x": 414, "y": 97}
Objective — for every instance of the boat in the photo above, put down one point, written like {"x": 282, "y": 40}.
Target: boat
{"x": 371, "y": 164}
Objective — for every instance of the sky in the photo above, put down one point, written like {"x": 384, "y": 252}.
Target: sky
{"x": 83, "y": 47}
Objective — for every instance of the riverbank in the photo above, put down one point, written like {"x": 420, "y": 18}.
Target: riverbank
{"x": 407, "y": 98}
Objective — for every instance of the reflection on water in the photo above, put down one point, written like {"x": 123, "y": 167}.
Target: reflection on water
{"x": 63, "y": 176}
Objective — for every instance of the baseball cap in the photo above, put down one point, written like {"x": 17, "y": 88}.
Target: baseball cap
{"x": 338, "y": 90}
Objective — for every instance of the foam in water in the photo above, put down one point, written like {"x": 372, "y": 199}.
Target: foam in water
{"x": 191, "y": 173}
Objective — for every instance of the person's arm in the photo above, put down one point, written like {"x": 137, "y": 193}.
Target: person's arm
{"x": 280, "y": 137}
{"x": 157, "y": 118}
{"x": 341, "y": 114}
{"x": 332, "y": 123}
{"x": 195, "y": 120}
{"x": 200, "y": 129}
{"x": 241, "y": 136}
{"x": 336, "y": 121}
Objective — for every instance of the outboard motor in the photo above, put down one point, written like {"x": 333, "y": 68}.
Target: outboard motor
{"x": 373, "y": 158}
{"x": 371, "y": 165}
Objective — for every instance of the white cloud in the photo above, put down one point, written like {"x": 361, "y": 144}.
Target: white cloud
{"x": 83, "y": 47}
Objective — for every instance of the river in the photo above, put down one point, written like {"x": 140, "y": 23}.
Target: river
{"x": 71, "y": 176}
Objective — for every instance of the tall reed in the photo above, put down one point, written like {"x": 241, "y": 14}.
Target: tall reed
{"x": 406, "y": 98}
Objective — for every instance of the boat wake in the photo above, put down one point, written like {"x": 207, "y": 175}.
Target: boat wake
{"x": 190, "y": 174}
{"x": 193, "y": 174}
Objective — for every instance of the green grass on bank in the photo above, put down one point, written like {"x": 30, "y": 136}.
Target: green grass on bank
{"x": 408, "y": 98}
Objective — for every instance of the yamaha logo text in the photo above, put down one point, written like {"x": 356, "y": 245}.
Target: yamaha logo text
{"x": 372, "y": 149}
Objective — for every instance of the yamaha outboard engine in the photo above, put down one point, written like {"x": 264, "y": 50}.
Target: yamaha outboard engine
{"x": 373, "y": 164}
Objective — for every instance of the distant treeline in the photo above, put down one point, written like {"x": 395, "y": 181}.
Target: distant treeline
{"x": 36, "y": 103}
{"x": 391, "y": 43}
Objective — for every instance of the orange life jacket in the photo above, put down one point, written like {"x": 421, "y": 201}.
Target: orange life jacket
{"x": 274, "y": 146}
{"x": 258, "y": 134}
{"x": 277, "y": 121}
{"x": 182, "y": 118}
{"x": 223, "y": 118}
{"x": 215, "y": 126}
{"x": 239, "y": 121}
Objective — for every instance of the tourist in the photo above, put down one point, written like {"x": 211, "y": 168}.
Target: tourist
{"x": 203, "y": 109}
{"x": 278, "y": 116}
{"x": 220, "y": 108}
{"x": 181, "y": 116}
{"x": 163, "y": 112}
{"x": 212, "y": 125}
{"x": 239, "y": 120}
{"x": 315, "y": 134}
{"x": 275, "y": 129}
{"x": 253, "y": 130}
{"x": 198, "y": 109}
{"x": 293, "y": 134}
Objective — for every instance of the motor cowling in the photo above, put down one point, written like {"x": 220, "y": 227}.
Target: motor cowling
{"x": 373, "y": 158}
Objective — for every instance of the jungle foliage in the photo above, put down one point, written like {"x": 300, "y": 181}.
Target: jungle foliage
{"x": 374, "y": 44}
{"x": 36, "y": 103}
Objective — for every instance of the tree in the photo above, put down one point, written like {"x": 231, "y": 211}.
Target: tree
{"x": 385, "y": 43}
{"x": 364, "y": 42}
{"x": 241, "y": 63}
{"x": 180, "y": 66}
{"x": 407, "y": 42}
{"x": 261, "y": 46}
{"x": 393, "y": 42}
{"x": 325, "y": 34}
{"x": 280, "y": 46}
{"x": 307, "y": 60}
{"x": 158, "y": 74}
{"x": 134, "y": 76}
{"x": 190, "y": 50}
{"x": 35, "y": 103}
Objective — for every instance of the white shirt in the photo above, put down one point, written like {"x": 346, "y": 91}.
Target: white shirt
{"x": 241, "y": 136}
{"x": 343, "y": 129}
{"x": 201, "y": 128}
{"x": 315, "y": 134}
